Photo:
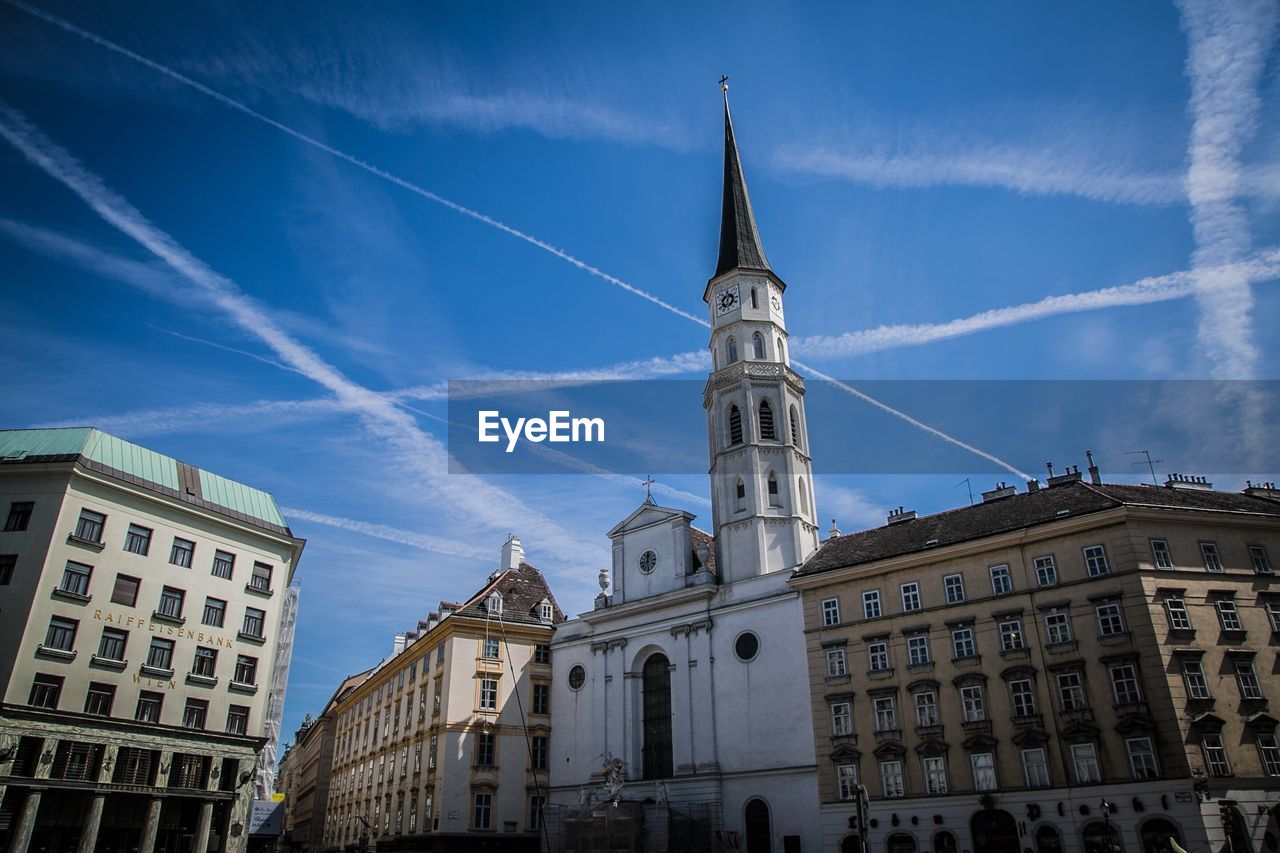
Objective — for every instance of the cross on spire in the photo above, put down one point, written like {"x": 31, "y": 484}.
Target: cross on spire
{"x": 724, "y": 82}
{"x": 648, "y": 488}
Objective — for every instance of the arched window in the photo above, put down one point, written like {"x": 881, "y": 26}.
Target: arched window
{"x": 782, "y": 350}
{"x": 1100, "y": 837}
{"x": 740, "y": 496}
{"x": 735, "y": 426}
{"x": 754, "y": 304}
{"x": 767, "y": 430}
{"x": 795, "y": 426}
{"x": 804, "y": 498}
{"x": 732, "y": 350}
{"x": 774, "y": 499}
{"x": 657, "y": 717}
{"x": 756, "y": 824}
{"x": 757, "y": 346}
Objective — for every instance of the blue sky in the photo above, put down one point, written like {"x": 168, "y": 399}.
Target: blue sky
{"x": 982, "y": 191}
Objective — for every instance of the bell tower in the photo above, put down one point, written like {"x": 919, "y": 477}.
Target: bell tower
{"x": 761, "y": 476}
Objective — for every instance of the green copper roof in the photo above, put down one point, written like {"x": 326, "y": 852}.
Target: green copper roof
{"x": 118, "y": 457}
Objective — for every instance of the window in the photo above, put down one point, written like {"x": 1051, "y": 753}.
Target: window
{"x": 953, "y": 586}
{"x": 75, "y": 579}
{"x": 170, "y": 603}
{"x": 61, "y": 634}
{"x": 871, "y": 604}
{"x": 1035, "y": 767}
{"x": 918, "y": 649}
{"x": 831, "y": 611}
{"x": 962, "y": 643}
{"x": 1269, "y": 752}
{"x": 19, "y": 516}
{"x": 891, "y": 779}
{"x": 731, "y": 350}
{"x": 1215, "y": 755}
{"x": 89, "y": 526}
{"x": 1228, "y": 617}
{"x": 1124, "y": 683}
{"x": 1095, "y": 561}
{"x": 125, "y": 591}
{"x": 431, "y": 752}
{"x": 886, "y": 711}
{"x": 910, "y": 597}
{"x": 847, "y": 780}
{"x": 484, "y": 749}
{"x": 149, "y": 704}
{"x": 1212, "y": 559}
{"x": 740, "y": 496}
{"x": 261, "y": 577}
{"x": 735, "y": 423}
{"x": 841, "y": 719}
{"x": 878, "y": 656}
{"x": 926, "y": 702}
{"x": 1247, "y": 679}
{"x": 494, "y": 603}
{"x": 45, "y": 690}
{"x": 246, "y": 670}
{"x": 205, "y": 663}
{"x": 973, "y": 703}
{"x": 757, "y": 342}
{"x": 1084, "y": 761}
{"x": 111, "y": 646}
{"x": 482, "y": 812}
{"x": 8, "y": 562}
{"x": 836, "y": 663}
{"x": 795, "y": 426}
{"x": 1011, "y": 635}
{"x": 1070, "y": 691}
{"x": 545, "y": 611}
{"x": 935, "y": 774}
{"x": 488, "y": 694}
{"x": 193, "y": 715}
{"x": 1142, "y": 758}
{"x": 160, "y": 654}
{"x": 1273, "y": 613}
{"x": 1259, "y": 559}
{"x": 542, "y": 653}
{"x": 984, "y": 771}
{"x": 182, "y": 552}
{"x": 1057, "y": 625}
{"x": 537, "y": 803}
{"x": 1110, "y": 619}
{"x": 1161, "y": 556}
{"x": 1176, "y": 610}
{"x": 138, "y": 539}
{"x": 541, "y": 699}
{"x": 435, "y": 698}
{"x": 538, "y": 752}
{"x": 224, "y": 564}
{"x": 767, "y": 429}
{"x": 490, "y": 647}
{"x": 1046, "y": 570}
{"x": 1022, "y": 697}
{"x": 1193, "y": 678}
{"x": 1001, "y": 580}
{"x": 254, "y": 622}
{"x": 98, "y": 699}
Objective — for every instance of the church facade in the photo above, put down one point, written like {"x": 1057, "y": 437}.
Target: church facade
{"x": 679, "y": 700}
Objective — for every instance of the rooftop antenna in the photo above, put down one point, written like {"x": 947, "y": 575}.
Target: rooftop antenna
{"x": 1151, "y": 463}
{"x": 965, "y": 482}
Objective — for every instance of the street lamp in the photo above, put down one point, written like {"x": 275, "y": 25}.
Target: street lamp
{"x": 863, "y": 805}
{"x": 1113, "y": 845}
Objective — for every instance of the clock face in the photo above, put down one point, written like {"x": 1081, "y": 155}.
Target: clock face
{"x": 776, "y": 301}
{"x": 648, "y": 560}
{"x": 727, "y": 300}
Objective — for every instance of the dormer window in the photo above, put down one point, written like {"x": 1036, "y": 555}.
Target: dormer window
{"x": 757, "y": 345}
{"x": 731, "y": 346}
{"x": 494, "y": 604}
{"x": 545, "y": 613}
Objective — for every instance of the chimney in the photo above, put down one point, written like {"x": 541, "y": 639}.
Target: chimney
{"x": 834, "y": 533}
{"x": 1191, "y": 483}
{"x": 1261, "y": 490}
{"x": 899, "y": 515}
{"x": 512, "y": 554}
{"x": 1033, "y": 486}
{"x": 1094, "y": 476}
{"x": 1070, "y": 475}
{"x": 397, "y": 645}
{"x": 1000, "y": 491}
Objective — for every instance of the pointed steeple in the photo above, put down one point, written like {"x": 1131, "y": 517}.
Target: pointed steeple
{"x": 740, "y": 246}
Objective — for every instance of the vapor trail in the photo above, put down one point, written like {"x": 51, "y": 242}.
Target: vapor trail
{"x": 392, "y": 534}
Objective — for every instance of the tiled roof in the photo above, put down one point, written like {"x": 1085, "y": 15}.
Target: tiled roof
{"x": 522, "y": 590}
{"x": 1027, "y": 509}
{"x": 701, "y": 537}
{"x": 740, "y": 246}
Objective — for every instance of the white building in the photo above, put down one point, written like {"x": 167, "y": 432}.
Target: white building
{"x": 680, "y": 697}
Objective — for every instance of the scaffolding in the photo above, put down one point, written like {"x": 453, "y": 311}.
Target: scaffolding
{"x": 266, "y": 781}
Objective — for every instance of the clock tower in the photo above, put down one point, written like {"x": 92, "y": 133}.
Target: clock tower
{"x": 761, "y": 476}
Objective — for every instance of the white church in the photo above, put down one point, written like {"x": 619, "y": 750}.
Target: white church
{"x": 681, "y": 702}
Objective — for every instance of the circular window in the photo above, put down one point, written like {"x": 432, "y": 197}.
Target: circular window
{"x": 648, "y": 560}
{"x": 577, "y": 677}
{"x": 747, "y": 646}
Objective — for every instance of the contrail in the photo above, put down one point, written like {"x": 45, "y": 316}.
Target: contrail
{"x": 424, "y": 541}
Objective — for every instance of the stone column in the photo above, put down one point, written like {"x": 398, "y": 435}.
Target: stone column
{"x": 89, "y": 831}
{"x": 201, "y": 844}
{"x": 26, "y": 822}
{"x": 152, "y": 827}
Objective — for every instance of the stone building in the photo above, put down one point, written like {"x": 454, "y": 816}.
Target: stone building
{"x": 444, "y": 746}
{"x": 1082, "y": 667}
{"x": 141, "y": 602}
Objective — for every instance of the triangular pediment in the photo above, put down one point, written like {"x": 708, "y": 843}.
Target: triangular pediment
{"x": 647, "y": 515}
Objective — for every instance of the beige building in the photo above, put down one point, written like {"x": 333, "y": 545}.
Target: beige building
{"x": 445, "y": 745}
{"x": 141, "y": 600}
{"x": 993, "y": 675}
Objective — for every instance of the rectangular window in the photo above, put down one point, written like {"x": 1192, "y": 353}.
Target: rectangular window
{"x": 160, "y": 654}
{"x": 193, "y": 715}
{"x": 878, "y": 656}
{"x": 1057, "y": 626}
{"x": 1269, "y": 752}
{"x": 171, "y": 602}
{"x": 484, "y": 749}
{"x": 215, "y": 612}
{"x": 1259, "y": 560}
{"x": 1161, "y": 556}
{"x": 953, "y": 585}
{"x": 886, "y": 708}
{"x": 1001, "y": 580}
{"x": 1273, "y": 614}
{"x": 246, "y": 670}
{"x": 1193, "y": 678}
{"x": 138, "y": 539}
{"x": 1248, "y": 680}
{"x": 1124, "y": 683}
{"x": 75, "y": 579}
{"x": 910, "y": 596}
{"x": 835, "y": 663}
{"x": 482, "y": 812}
{"x": 261, "y": 577}
{"x": 831, "y": 611}
{"x": 891, "y": 779}
{"x": 541, "y": 699}
{"x": 841, "y": 719}
{"x": 45, "y": 690}
{"x": 19, "y": 516}
{"x": 926, "y": 702}
{"x": 205, "y": 663}
{"x": 99, "y": 698}
{"x": 1070, "y": 691}
{"x": 918, "y": 649}
{"x": 1110, "y": 619}
{"x": 984, "y": 771}
{"x": 431, "y": 752}
{"x": 1022, "y": 697}
{"x": 1011, "y": 635}
{"x": 1084, "y": 760}
{"x": 224, "y": 564}
{"x": 847, "y": 780}
{"x": 149, "y": 705}
{"x": 962, "y": 644}
{"x": 89, "y": 526}
{"x": 1142, "y": 758}
{"x": 182, "y": 552}
{"x": 537, "y": 803}
{"x": 973, "y": 703}
{"x": 61, "y": 634}
{"x": 125, "y": 591}
{"x": 871, "y": 604}
{"x": 1046, "y": 570}
{"x": 1212, "y": 559}
{"x": 1035, "y": 767}
{"x": 488, "y": 694}
{"x": 1176, "y": 610}
{"x": 8, "y": 562}
{"x": 541, "y": 653}
{"x": 111, "y": 646}
{"x": 490, "y": 649}
{"x": 935, "y": 774}
{"x": 1228, "y": 616}
{"x": 1215, "y": 755}
{"x": 254, "y": 621}
{"x": 1095, "y": 561}
{"x": 538, "y": 752}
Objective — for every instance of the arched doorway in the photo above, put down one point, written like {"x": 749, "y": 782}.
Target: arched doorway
{"x": 944, "y": 842}
{"x": 756, "y": 822}
{"x": 657, "y": 717}
{"x": 849, "y": 844}
{"x": 994, "y": 831}
{"x": 1156, "y": 833}
{"x": 900, "y": 842}
{"x": 1048, "y": 840}
{"x": 1100, "y": 837}
{"x": 1236, "y": 829}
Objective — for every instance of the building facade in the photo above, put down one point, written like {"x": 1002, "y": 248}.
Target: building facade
{"x": 1082, "y": 667}
{"x": 444, "y": 746}
{"x": 141, "y": 601}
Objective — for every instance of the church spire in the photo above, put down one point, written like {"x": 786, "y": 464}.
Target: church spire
{"x": 740, "y": 246}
